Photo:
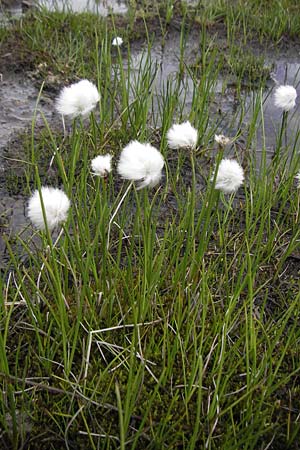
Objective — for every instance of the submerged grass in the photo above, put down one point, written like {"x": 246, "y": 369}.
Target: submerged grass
{"x": 183, "y": 332}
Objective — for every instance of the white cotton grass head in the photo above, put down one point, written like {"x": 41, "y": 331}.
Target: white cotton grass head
{"x": 297, "y": 177}
{"x": 285, "y": 97}
{"x": 117, "y": 41}
{"x": 230, "y": 176}
{"x": 222, "y": 140}
{"x": 141, "y": 162}
{"x": 78, "y": 99}
{"x": 182, "y": 135}
{"x": 56, "y": 206}
{"x": 101, "y": 165}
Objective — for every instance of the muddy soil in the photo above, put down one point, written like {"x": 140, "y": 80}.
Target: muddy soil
{"x": 18, "y": 102}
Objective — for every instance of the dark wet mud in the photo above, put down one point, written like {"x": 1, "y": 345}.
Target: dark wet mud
{"x": 18, "y": 103}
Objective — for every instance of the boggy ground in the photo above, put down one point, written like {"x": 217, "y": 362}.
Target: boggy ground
{"x": 34, "y": 52}
{"x": 198, "y": 314}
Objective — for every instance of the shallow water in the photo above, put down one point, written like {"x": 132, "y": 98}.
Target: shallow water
{"x": 100, "y": 7}
{"x": 286, "y": 70}
{"x": 15, "y": 8}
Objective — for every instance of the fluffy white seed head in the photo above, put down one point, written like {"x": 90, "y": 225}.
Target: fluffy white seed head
{"x": 230, "y": 176}
{"x": 101, "y": 165}
{"x": 117, "y": 41}
{"x": 56, "y": 205}
{"x": 298, "y": 180}
{"x": 182, "y": 135}
{"x": 77, "y": 99}
{"x": 285, "y": 97}
{"x": 141, "y": 162}
{"x": 222, "y": 140}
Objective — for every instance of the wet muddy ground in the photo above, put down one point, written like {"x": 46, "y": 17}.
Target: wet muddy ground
{"x": 19, "y": 91}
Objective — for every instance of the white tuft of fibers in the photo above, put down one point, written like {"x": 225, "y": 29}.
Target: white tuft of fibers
{"x": 222, "y": 140}
{"x": 230, "y": 176}
{"x": 298, "y": 180}
{"x": 56, "y": 206}
{"x": 101, "y": 165}
{"x": 141, "y": 162}
{"x": 285, "y": 97}
{"x": 182, "y": 135}
{"x": 78, "y": 99}
{"x": 117, "y": 41}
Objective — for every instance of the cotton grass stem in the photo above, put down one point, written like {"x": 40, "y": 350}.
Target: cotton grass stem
{"x": 33, "y": 160}
{"x": 121, "y": 417}
{"x": 54, "y": 275}
{"x": 116, "y": 212}
{"x": 64, "y": 126}
{"x": 205, "y": 222}
{"x": 282, "y": 133}
{"x": 43, "y": 266}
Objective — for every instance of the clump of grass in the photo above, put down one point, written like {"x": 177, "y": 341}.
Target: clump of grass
{"x": 244, "y": 65}
{"x": 252, "y": 20}
{"x": 240, "y": 65}
{"x": 183, "y": 332}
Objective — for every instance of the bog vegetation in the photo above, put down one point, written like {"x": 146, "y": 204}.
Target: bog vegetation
{"x": 154, "y": 311}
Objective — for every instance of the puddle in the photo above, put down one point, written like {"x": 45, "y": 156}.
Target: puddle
{"x": 166, "y": 60}
{"x": 10, "y": 10}
{"x": 15, "y": 8}
{"x": 225, "y": 103}
{"x": 286, "y": 71}
{"x": 99, "y": 7}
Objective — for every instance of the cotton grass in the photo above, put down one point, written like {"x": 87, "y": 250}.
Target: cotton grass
{"x": 285, "y": 97}
{"x": 222, "y": 140}
{"x": 141, "y": 162}
{"x": 230, "y": 176}
{"x": 101, "y": 165}
{"x": 182, "y": 135}
{"x": 117, "y": 41}
{"x": 56, "y": 206}
{"x": 78, "y": 99}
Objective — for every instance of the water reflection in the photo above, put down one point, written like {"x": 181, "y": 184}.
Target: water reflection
{"x": 15, "y": 8}
{"x": 228, "y": 111}
{"x": 100, "y": 7}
